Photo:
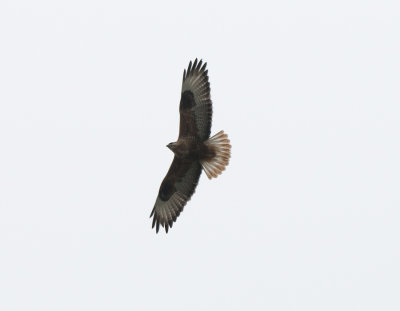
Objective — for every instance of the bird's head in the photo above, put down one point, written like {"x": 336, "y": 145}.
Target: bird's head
{"x": 172, "y": 146}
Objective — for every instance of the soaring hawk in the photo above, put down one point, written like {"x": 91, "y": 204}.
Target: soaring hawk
{"x": 194, "y": 150}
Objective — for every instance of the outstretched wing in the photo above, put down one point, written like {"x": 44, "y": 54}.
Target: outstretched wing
{"x": 195, "y": 107}
{"x": 175, "y": 191}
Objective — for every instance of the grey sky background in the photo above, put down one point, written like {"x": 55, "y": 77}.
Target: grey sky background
{"x": 306, "y": 217}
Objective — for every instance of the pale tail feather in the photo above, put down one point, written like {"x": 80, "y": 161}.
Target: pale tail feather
{"x": 220, "y": 143}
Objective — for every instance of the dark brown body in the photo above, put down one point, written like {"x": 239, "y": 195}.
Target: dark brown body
{"x": 191, "y": 148}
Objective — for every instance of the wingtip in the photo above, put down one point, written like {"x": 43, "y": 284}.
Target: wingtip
{"x": 190, "y": 67}
{"x": 195, "y": 66}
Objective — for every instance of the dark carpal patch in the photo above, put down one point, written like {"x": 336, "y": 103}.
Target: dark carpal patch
{"x": 166, "y": 191}
{"x": 187, "y": 101}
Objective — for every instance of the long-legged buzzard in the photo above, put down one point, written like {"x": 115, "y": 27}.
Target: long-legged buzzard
{"x": 194, "y": 151}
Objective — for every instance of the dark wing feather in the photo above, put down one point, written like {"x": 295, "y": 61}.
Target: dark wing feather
{"x": 175, "y": 191}
{"x": 195, "y": 107}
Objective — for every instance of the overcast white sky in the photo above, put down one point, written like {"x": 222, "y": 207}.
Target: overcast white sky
{"x": 306, "y": 217}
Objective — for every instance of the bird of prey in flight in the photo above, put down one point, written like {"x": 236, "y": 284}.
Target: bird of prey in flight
{"x": 194, "y": 150}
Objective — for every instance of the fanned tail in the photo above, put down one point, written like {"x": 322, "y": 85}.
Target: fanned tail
{"x": 220, "y": 144}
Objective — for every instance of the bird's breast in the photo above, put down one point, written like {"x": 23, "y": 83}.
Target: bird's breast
{"x": 188, "y": 148}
